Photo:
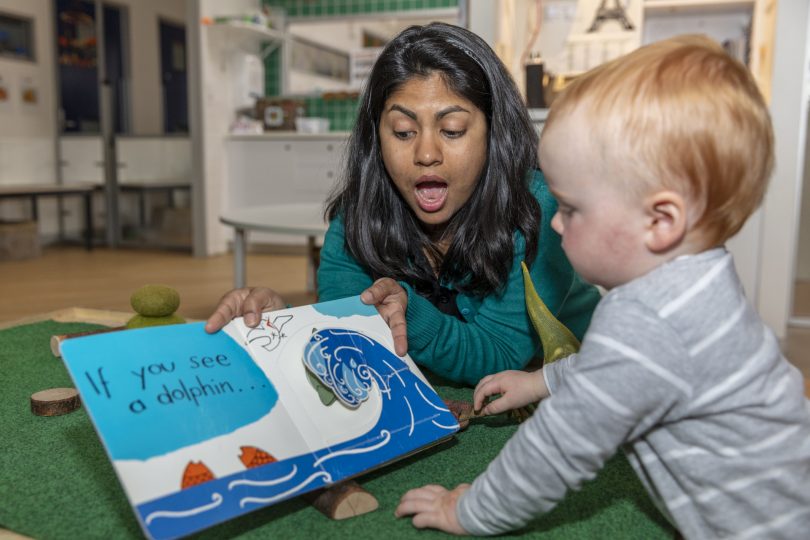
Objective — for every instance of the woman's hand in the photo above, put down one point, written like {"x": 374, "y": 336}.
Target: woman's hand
{"x": 433, "y": 507}
{"x": 249, "y": 303}
{"x": 391, "y": 301}
{"x": 517, "y": 389}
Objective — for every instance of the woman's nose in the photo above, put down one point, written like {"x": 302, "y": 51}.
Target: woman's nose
{"x": 427, "y": 150}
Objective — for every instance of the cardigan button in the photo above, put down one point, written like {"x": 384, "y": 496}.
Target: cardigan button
{"x": 465, "y": 311}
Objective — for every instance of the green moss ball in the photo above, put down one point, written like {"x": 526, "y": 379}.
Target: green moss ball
{"x": 139, "y": 321}
{"x": 155, "y": 301}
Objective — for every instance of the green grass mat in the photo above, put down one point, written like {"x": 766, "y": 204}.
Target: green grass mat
{"x": 56, "y": 481}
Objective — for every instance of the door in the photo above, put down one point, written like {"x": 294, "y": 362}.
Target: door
{"x": 173, "y": 77}
{"x": 77, "y": 57}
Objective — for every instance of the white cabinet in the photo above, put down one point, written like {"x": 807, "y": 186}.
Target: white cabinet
{"x": 281, "y": 168}
{"x": 290, "y": 168}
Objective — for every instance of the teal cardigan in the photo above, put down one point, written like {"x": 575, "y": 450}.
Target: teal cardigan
{"x": 497, "y": 333}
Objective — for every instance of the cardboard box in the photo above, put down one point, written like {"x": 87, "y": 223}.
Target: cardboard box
{"x": 279, "y": 113}
{"x": 19, "y": 240}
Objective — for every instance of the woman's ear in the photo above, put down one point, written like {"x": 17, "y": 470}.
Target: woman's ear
{"x": 666, "y": 221}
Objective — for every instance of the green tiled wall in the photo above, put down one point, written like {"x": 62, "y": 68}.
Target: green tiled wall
{"x": 272, "y": 69}
{"x": 341, "y": 112}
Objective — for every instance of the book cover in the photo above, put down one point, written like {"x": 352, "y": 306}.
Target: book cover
{"x": 201, "y": 428}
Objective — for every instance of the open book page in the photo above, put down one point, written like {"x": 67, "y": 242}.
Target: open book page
{"x": 201, "y": 428}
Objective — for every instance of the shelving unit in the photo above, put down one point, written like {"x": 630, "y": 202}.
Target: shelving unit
{"x": 250, "y": 37}
{"x": 748, "y": 21}
{"x": 695, "y": 6}
{"x": 746, "y": 26}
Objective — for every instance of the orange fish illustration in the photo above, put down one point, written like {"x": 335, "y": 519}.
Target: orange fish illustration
{"x": 255, "y": 457}
{"x": 196, "y": 473}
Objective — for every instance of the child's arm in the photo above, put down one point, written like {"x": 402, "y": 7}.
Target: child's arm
{"x": 614, "y": 390}
{"x": 516, "y": 388}
{"x": 433, "y": 507}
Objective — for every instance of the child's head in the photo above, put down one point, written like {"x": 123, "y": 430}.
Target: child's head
{"x": 677, "y": 118}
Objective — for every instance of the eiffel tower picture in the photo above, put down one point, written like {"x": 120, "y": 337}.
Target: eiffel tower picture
{"x": 605, "y": 13}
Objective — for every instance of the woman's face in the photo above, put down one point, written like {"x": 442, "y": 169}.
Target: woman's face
{"x": 434, "y": 146}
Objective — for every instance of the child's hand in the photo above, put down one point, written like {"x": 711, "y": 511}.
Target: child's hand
{"x": 391, "y": 301}
{"x": 433, "y": 507}
{"x": 517, "y": 389}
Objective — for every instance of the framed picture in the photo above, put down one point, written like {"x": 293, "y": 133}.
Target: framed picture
{"x": 16, "y": 37}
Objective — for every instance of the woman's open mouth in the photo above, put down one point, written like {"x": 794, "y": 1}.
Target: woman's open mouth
{"x": 431, "y": 194}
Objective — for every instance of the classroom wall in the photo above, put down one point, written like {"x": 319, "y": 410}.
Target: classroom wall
{"x": 27, "y": 130}
{"x": 146, "y": 103}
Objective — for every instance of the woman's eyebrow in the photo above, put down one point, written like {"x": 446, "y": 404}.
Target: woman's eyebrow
{"x": 451, "y": 109}
{"x": 439, "y": 115}
{"x": 407, "y": 112}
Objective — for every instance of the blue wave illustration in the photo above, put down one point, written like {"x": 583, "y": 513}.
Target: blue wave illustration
{"x": 216, "y": 499}
{"x": 412, "y": 416}
{"x": 342, "y": 368}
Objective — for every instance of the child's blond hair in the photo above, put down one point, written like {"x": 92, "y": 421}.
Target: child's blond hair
{"x": 680, "y": 114}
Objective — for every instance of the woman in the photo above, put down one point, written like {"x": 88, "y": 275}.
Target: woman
{"x": 439, "y": 203}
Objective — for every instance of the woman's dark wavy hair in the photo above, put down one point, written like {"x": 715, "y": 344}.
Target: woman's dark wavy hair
{"x": 382, "y": 233}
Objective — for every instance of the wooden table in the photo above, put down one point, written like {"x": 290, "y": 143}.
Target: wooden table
{"x": 304, "y": 219}
{"x": 143, "y": 189}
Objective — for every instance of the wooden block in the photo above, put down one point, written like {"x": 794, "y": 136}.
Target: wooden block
{"x": 55, "y": 401}
{"x": 344, "y": 500}
{"x": 56, "y": 341}
{"x": 462, "y": 410}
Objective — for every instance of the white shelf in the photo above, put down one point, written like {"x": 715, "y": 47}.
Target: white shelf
{"x": 259, "y": 31}
{"x": 250, "y": 36}
{"x": 291, "y": 136}
{"x": 696, "y": 6}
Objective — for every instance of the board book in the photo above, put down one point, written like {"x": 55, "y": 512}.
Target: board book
{"x": 201, "y": 428}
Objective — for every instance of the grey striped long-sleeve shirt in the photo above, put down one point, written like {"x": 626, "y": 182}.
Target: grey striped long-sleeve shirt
{"x": 678, "y": 370}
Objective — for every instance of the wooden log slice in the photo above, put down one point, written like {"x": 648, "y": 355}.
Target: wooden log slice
{"x": 55, "y": 401}
{"x": 344, "y": 500}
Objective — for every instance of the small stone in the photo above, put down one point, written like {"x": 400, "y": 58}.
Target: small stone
{"x": 155, "y": 301}
{"x": 139, "y": 321}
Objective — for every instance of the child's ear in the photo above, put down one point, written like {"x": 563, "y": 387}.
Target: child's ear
{"x": 666, "y": 221}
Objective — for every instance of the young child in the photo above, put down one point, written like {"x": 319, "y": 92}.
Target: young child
{"x": 656, "y": 159}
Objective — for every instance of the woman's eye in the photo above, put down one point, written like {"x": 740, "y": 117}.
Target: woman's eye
{"x": 454, "y": 134}
{"x": 403, "y": 135}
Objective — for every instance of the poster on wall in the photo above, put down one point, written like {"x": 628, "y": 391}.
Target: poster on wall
{"x": 5, "y": 95}
{"x": 29, "y": 93}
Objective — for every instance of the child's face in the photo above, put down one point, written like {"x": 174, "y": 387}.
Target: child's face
{"x": 602, "y": 229}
